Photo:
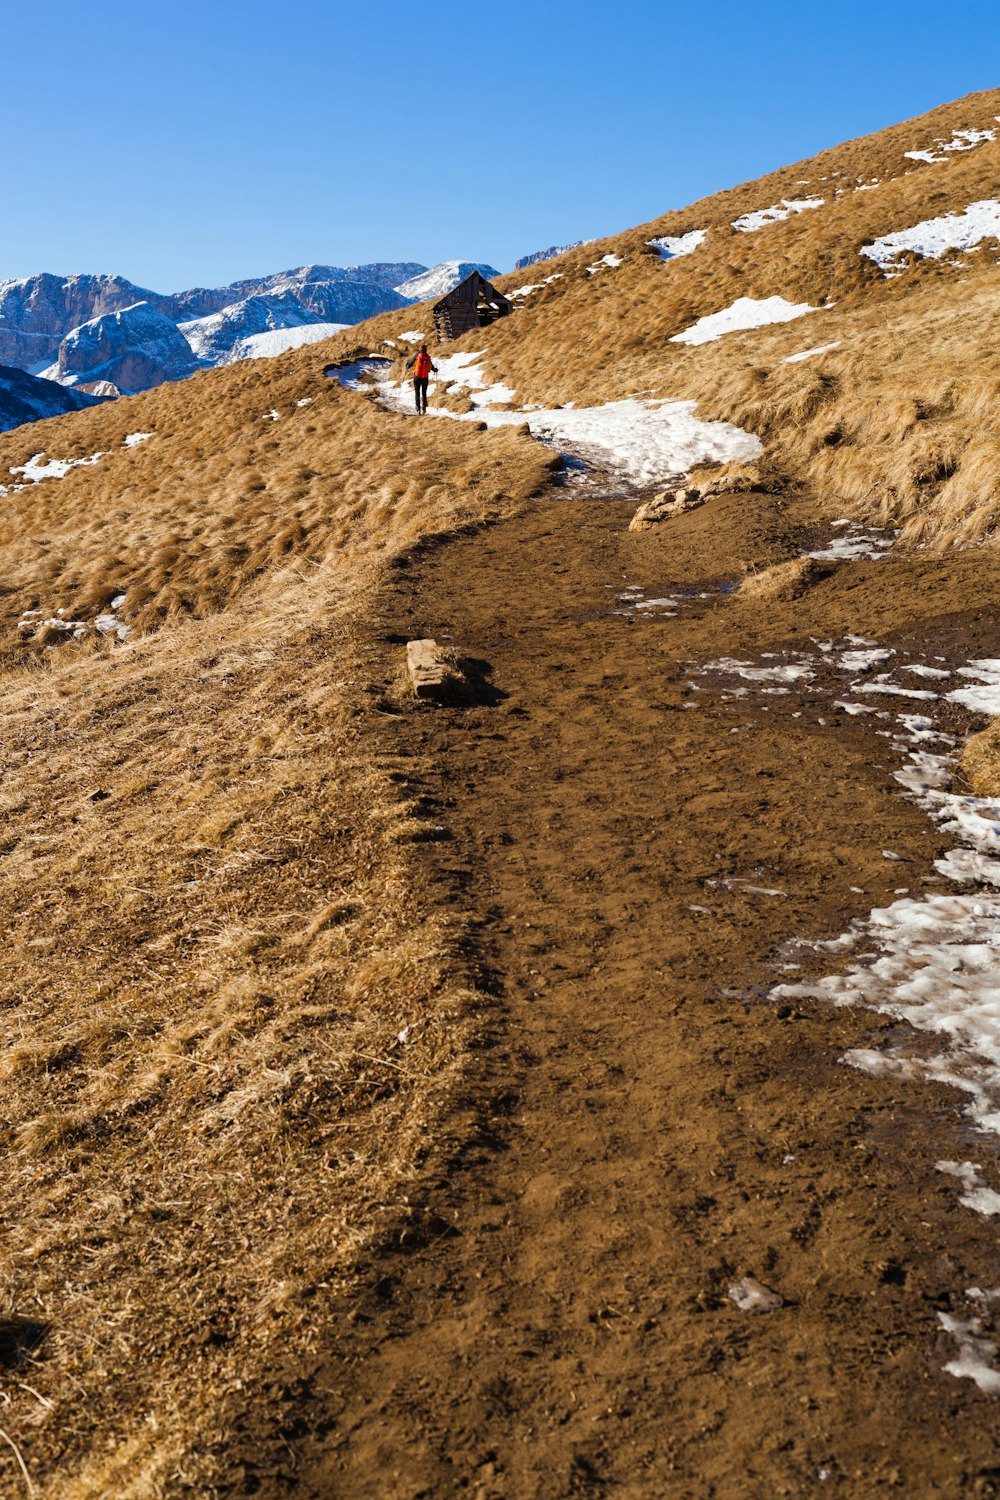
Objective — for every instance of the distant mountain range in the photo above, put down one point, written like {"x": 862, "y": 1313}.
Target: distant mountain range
{"x": 549, "y": 254}
{"x": 104, "y": 336}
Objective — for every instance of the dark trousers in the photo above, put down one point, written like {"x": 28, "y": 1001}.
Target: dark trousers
{"x": 420, "y": 391}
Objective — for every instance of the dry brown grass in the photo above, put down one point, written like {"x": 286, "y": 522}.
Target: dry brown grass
{"x": 213, "y": 935}
{"x": 980, "y": 762}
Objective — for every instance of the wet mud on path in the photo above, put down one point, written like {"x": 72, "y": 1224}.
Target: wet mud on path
{"x": 653, "y": 1125}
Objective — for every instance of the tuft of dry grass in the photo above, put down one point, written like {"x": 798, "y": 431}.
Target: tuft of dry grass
{"x": 980, "y": 760}
{"x": 787, "y": 580}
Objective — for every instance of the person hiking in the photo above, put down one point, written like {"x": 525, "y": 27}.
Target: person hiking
{"x": 422, "y": 367}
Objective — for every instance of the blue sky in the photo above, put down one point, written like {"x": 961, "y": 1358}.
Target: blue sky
{"x": 188, "y": 144}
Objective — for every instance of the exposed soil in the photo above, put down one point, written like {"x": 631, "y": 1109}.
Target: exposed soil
{"x": 652, "y": 1125}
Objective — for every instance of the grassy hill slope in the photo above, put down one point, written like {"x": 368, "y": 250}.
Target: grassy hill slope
{"x": 214, "y": 930}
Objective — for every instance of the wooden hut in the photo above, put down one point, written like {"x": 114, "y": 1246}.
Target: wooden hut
{"x": 474, "y": 303}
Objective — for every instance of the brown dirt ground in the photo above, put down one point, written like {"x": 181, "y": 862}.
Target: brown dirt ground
{"x": 638, "y": 1096}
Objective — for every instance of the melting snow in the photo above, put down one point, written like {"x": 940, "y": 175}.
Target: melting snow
{"x": 977, "y": 1195}
{"x": 975, "y": 1353}
{"x": 858, "y": 542}
{"x": 750, "y": 223}
{"x": 133, "y": 439}
{"x": 34, "y": 471}
{"x": 671, "y": 246}
{"x": 34, "y": 620}
{"x": 984, "y": 699}
{"x": 535, "y": 286}
{"x": 745, "y": 312}
{"x": 644, "y": 441}
{"x": 933, "y": 237}
{"x": 961, "y": 140}
{"x": 610, "y": 259}
{"x": 789, "y": 672}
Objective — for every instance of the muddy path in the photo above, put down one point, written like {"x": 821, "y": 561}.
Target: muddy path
{"x": 652, "y": 1125}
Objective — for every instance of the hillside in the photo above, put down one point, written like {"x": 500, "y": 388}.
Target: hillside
{"x": 396, "y": 1094}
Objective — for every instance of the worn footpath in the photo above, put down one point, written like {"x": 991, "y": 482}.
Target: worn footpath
{"x": 635, "y": 846}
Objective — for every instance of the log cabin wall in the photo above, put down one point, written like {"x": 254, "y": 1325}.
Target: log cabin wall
{"x": 474, "y": 303}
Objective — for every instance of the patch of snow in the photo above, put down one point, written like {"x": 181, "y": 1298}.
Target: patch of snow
{"x": 34, "y": 471}
{"x": 857, "y": 543}
{"x": 794, "y": 359}
{"x": 643, "y": 441}
{"x": 961, "y": 140}
{"x": 744, "y": 313}
{"x": 610, "y": 260}
{"x": 788, "y": 672}
{"x": 111, "y": 625}
{"x": 932, "y": 238}
{"x": 536, "y": 286}
{"x": 984, "y": 699}
{"x": 413, "y": 337}
{"x": 133, "y": 439}
{"x": 670, "y": 246}
{"x": 977, "y": 1195}
{"x": 761, "y": 217}
{"x": 976, "y": 1354}
{"x": 275, "y": 341}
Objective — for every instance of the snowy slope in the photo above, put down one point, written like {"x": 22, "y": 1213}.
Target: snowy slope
{"x": 213, "y": 338}
{"x": 26, "y": 398}
{"x": 443, "y": 278}
{"x": 257, "y": 328}
{"x": 135, "y": 349}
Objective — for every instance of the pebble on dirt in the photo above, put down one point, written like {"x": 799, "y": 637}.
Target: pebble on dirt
{"x": 751, "y": 1295}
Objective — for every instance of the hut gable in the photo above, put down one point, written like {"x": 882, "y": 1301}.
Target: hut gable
{"x": 474, "y": 303}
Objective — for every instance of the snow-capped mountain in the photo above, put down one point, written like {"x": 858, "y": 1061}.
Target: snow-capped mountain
{"x": 135, "y": 348}
{"x": 255, "y": 327}
{"x": 36, "y": 312}
{"x": 549, "y": 254}
{"x": 442, "y": 278}
{"x": 26, "y": 398}
{"x": 342, "y": 294}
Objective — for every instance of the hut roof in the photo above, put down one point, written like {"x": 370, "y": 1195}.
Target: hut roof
{"x": 470, "y": 290}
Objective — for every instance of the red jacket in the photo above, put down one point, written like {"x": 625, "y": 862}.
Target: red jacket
{"x": 423, "y": 367}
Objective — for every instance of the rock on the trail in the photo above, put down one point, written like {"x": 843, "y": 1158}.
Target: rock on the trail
{"x": 751, "y": 1295}
{"x": 435, "y": 671}
{"x": 663, "y": 507}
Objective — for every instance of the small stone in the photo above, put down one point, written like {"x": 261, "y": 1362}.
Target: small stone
{"x": 435, "y": 671}
{"x": 664, "y": 507}
{"x": 751, "y": 1295}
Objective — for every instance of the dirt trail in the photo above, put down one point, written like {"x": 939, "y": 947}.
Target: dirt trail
{"x": 654, "y": 1127}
